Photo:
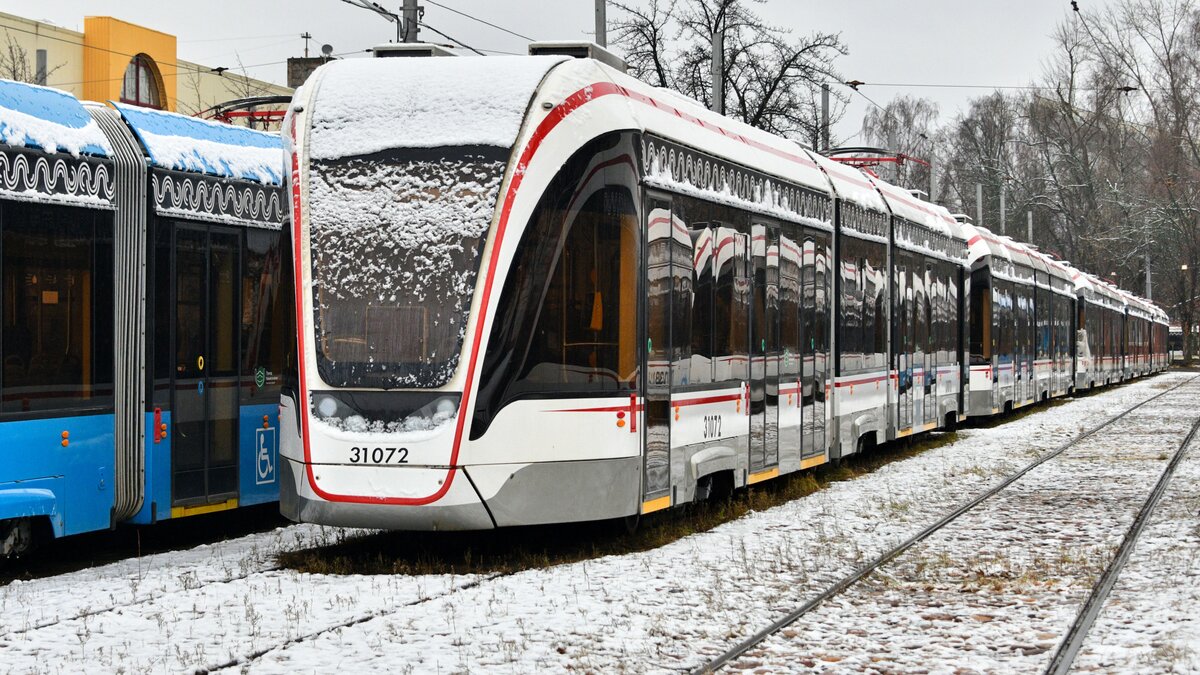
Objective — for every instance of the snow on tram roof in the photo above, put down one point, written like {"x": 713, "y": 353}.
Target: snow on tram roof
{"x": 49, "y": 119}
{"x": 183, "y": 143}
{"x": 363, "y": 106}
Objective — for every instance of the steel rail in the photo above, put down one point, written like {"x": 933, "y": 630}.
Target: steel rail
{"x": 857, "y": 575}
{"x": 1069, "y": 648}
{"x": 245, "y": 659}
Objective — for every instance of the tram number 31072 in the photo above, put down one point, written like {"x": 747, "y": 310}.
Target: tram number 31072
{"x": 378, "y": 455}
{"x": 712, "y": 426}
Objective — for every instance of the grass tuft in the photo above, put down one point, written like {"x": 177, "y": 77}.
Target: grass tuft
{"x": 520, "y": 548}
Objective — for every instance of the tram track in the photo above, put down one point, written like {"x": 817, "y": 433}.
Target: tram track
{"x": 1064, "y": 656}
{"x": 863, "y": 571}
{"x": 91, "y": 613}
{"x": 246, "y": 659}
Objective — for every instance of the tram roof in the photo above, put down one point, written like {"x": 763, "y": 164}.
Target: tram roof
{"x": 182, "y": 143}
{"x": 48, "y": 119}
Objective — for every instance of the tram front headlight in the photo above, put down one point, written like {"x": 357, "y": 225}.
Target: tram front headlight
{"x": 327, "y": 406}
{"x": 432, "y": 414}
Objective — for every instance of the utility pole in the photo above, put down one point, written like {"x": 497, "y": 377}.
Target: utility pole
{"x": 979, "y": 204}
{"x": 1148, "y": 295}
{"x": 718, "y": 67}
{"x": 306, "y": 36}
{"x": 412, "y": 19}
{"x": 824, "y": 118}
{"x": 1029, "y": 226}
{"x": 1002, "y": 191}
{"x": 601, "y": 23}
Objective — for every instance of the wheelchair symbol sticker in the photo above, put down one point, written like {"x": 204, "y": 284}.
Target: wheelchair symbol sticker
{"x": 266, "y": 456}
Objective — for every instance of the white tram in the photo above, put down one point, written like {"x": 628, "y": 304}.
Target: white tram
{"x": 534, "y": 289}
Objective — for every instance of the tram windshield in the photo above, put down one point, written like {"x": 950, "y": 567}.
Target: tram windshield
{"x": 396, "y": 241}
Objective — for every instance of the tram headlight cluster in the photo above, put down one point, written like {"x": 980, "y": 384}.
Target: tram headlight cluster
{"x": 328, "y": 406}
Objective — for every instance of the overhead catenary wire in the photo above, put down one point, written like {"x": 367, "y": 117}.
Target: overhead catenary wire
{"x": 482, "y": 21}
{"x": 457, "y": 42}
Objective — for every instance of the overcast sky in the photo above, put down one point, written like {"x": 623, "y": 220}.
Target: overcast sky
{"x": 911, "y": 42}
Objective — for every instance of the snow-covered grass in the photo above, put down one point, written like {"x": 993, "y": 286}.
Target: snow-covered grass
{"x": 667, "y": 608}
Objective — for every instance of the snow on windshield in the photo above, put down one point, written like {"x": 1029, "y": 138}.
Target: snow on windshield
{"x": 396, "y": 242}
{"x": 365, "y": 106}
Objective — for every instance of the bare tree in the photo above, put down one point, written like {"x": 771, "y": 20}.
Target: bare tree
{"x": 905, "y": 126}
{"x": 771, "y": 78}
{"x": 15, "y": 63}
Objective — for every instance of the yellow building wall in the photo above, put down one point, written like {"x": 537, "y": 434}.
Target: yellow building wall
{"x": 91, "y": 65}
{"x": 109, "y": 45}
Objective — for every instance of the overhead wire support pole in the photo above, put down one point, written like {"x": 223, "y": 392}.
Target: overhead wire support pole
{"x": 824, "y": 118}
{"x": 979, "y": 204}
{"x": 718, "y": 67}
{"x": 601, "y": 23}
{"x": 412, "y": 21}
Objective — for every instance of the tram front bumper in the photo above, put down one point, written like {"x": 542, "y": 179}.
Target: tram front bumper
{"x": 459, "y": 509}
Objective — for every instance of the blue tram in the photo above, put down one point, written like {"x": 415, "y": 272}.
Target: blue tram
{"x": 142, "y": 337}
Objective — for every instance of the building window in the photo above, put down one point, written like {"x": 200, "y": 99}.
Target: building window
{"x": 141, "y": 83}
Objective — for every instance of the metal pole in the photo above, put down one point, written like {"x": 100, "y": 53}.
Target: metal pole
{"x": 1029, "y": 226}
{"x": 824, "y": 117}
{"x": 601, "y": 23}
{"x": 1002, "y": 214}
{"x": 1148, "y": 273}
{"x": 718, "y": 70}
{"x": 412, "y": 17}
{"x": 979, "y": 204}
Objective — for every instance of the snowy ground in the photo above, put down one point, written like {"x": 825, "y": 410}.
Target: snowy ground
{"x": 666, "y": 609}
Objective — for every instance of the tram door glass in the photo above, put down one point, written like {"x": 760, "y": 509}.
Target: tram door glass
{"x": 791, "y": 347}
{"x": 904, "y": 339}
{"x": 205, "y": 384}
{"x": 659, "y": 281}
{"x": 820, "y": 339}
{"x": 764, "y": 346}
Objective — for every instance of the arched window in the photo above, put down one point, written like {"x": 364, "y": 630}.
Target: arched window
{"x": 141, "y": 83}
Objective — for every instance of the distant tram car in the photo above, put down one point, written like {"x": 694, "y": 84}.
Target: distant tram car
{"x": 534, "y": 290}
{"x": 142, "y": 338}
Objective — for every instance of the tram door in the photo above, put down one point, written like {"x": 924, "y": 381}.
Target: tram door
{"x": 764, "y": 349}
{"x": 931, "y": 301}
{"x": 904, "y": 341}
{"x": 656, "y": 442}
{"x": 205, "y": 386}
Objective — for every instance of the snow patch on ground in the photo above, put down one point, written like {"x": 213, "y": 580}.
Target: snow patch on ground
{"x": 667, "y": 609}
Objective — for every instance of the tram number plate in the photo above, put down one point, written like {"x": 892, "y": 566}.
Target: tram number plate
{"x": 378, "y": 455}
{"x": 712, "y": 426}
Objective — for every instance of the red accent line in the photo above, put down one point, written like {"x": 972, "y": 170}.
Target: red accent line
{"x": 618, "y": 408}
{"x": 865, "y": 380}
{"x": 706, "y": 400}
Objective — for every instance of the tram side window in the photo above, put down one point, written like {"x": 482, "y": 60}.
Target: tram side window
{"x": 58, "y": 308}
{"x": 264, "y": 328}
{"x": 567, "y": 316}
{"x": 702, "y": 302}
{"x": 981, "y": 317}
{"x": 849, "y": 320}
